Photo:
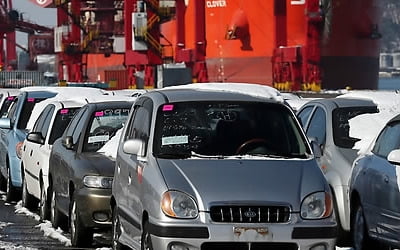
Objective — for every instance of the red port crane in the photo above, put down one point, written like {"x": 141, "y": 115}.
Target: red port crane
{"x": 10, "y": 22}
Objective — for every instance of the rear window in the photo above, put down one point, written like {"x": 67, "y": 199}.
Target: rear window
{"x": 63, "y": 117}
{"x": 103, "y": 125}
{"x": 27, "y": 111}
{"x": 341, "y": 126}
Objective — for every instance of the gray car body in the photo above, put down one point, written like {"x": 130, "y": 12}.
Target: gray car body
{"x": 374, "y": 186}
{"x": 68, "y": 167}
{"x": 335, "y": 161}
{"x": 139, "y": 183}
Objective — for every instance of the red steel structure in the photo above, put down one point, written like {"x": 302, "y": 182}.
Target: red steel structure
{"x": 10, "y": 22}
{"x": 288, "y": 44}
{"x": 298, "y": 67}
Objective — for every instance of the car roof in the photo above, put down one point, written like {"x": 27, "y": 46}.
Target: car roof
{"x": 219, "y": 91}
{"x": 344, "y": 102}
{"x": 109, "y": 104}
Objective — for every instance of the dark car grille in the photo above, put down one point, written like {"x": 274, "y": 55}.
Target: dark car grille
{"x": 245, "y": 246}
{"x": 253, "y": 214}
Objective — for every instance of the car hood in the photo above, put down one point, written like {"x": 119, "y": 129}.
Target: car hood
{"x": 96, "y": 164}
{"x": 227, "y": 181}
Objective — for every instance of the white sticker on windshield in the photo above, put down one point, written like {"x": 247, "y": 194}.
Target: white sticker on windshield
{"x": 171, "y": 140}
{"x": 98, "y": 138}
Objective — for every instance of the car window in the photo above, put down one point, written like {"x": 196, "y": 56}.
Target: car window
{"x": 388, "y": 140}
{"x": 12, "y": 109}
{"x": 74, "y": 122}
{"x": 141, "y": 121}
{"x": 304, "y": 114}
{"x": 26, "y": 111}
{"x": 44, "y": 115}
{"x": 6, "y": 106}
{"x": 341, "y": 126}
{"x": 227, "y": 128}
{"x": 61, "y": 121}
{"x": 103, "y": 126}
{"x": 317, "y": 127}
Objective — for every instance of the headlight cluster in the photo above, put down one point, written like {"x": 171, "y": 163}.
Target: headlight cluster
{"x": 316, "y": 206}
{"x": 98, "y": 181}
{"x": 179, "y": 205}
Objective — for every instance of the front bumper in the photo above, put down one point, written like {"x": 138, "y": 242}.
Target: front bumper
{"x": 319, "y": 235}
{"x": 94, "y": 209}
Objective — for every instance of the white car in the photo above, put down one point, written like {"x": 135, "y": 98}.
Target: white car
{"x": 35, "y": 154}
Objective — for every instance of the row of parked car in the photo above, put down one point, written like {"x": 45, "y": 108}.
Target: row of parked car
{"x": 199, "y": 166}
{"x": 364, "y": 180}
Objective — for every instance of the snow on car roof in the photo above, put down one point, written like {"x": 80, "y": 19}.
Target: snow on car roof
{"x": 253, "y": 89}
{"x": 77, "y": 94}
{"x": 368, "y": 126}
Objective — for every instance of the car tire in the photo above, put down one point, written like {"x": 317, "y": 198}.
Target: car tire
{"x": 3, "y": 183}
{"x": 361, "y": 240}
{"x": 116, "y": 231}
{"x": 56, "y": 217}
{"x": 44, "y": 209}
{"x": 145, "y": 242}
{"x": 28, "y": 200}
{"x": 81, "y": 236}
{"x": 11, "y": 191}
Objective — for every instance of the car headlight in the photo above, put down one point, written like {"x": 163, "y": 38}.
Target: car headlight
{"x": 98, "y": 181}
{"x": 316, "y": 206}
{"x": 179, "y": 205}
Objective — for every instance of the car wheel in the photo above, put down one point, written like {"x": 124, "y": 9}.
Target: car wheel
{"x": 11, "y": 191}
{"x": 28, "y": 200}
{"x": 116, "y": 230}
{"x": 361, "y": 240}
{"x": 145, "y": 242}
{"x": 80, "y": 235}
{"x": 44, "y": 210}
{"x": 55, "y": 216}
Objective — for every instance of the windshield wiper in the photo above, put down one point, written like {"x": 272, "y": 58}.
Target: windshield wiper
{"x": 173, "y": 155}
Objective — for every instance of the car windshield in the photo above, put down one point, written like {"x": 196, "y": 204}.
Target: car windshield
{"x": 341, "y": 126}
{"x": 103, "y": 126}
{"x": 226, "y": 129}
{"x": 63, "y": 117}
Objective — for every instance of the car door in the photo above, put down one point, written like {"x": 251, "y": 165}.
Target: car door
{"x": 383, "y": 177}
{"x": 33, "y": 151}
{"x": 130, "y": 168}
{"x": 63, "y": 172}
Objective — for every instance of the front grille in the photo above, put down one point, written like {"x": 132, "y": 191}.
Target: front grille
{"x": 247, "y": 246}
{"x": 250, "y": 214}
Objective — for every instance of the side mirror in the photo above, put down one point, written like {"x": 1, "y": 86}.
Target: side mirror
{"x": 394, "y": 157}
{"x": 68, "y": 142}
{"x": 35, "y": 137}
{"x": 5, "y": 123}
{"x": 316, "y": 147}
{"x": 134, "y": 147}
